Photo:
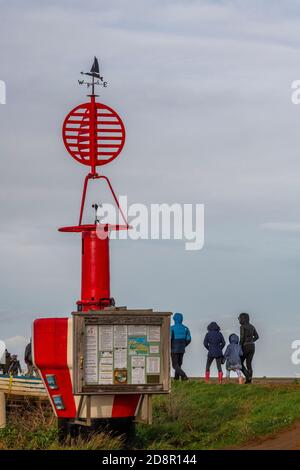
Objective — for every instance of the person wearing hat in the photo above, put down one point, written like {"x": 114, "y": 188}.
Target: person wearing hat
{"x": 180, "y": 338}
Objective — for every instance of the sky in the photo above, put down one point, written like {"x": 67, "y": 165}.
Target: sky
{"x": 204, "y": 91}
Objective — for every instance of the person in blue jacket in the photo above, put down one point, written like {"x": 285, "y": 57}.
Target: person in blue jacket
{"x": 180, "y": 338}
{"x": 214, "y": 343}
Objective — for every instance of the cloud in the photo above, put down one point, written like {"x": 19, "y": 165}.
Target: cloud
{"x": 16, "y": 345}
{"x": 204, "y": 91}
{"x": 281, "y": 226}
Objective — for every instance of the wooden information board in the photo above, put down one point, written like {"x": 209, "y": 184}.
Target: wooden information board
{"x": 121, "y": 351}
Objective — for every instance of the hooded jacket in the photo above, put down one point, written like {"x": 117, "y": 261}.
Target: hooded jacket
{"x": 28, "y": 354}
{"x": 180, "y": 334}
{"x": 15, "y": 366}
{"x": 214, "y": 340}
{"x": 248, "y": 334}
{"x": 233, "y": 353}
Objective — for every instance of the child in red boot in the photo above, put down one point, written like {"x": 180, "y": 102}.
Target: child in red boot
{"x": 214, "y": 343}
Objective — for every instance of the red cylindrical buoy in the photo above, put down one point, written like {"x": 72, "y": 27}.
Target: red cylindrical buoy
{"x": 95, "y": 274}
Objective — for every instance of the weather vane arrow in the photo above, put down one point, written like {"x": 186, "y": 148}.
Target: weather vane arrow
{"x": 96, "y": 77}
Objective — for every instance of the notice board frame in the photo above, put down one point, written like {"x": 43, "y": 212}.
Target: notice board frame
{"x": 120, "y": 316}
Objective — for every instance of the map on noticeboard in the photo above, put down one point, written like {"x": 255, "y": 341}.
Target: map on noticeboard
{"x": 122, "y": 354}
{"x": 138, "y": 345}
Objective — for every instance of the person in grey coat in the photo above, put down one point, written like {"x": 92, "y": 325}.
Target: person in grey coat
{"x": 233, "y": 355}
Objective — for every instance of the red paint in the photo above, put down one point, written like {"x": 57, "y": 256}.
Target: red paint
{"x": 125, "y": 406}
{"x": 93, "y": 134}
{"x": 95, "y": 285}
{"x": 85, "y": 185}
{"x": 50, "y": 357}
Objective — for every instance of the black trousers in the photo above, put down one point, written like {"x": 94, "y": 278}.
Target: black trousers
{"x": 248, "y": 353}
{"x": 177, "y": 359}
{"x": 210, "y": 361}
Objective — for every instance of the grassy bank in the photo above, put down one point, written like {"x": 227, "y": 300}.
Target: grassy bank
{"x": 194, "y": 416}
{"x": 200, "y": 416}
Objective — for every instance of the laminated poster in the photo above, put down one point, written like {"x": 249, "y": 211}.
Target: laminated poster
{"x": 154, "y": 349}
{"x": 138, "y": 361}
{"x": 91, "y": 355}
{"x": 120, "y": 336}
{"x": 138, "y": 375}
{"x": 153, "y": 365}
{"x": 138, "y": 345}
{"x": 154, "y": 334}
{"x": 137, "y": 330}
{"x": 106, "y": 338}
{"x": 120, "y": 358}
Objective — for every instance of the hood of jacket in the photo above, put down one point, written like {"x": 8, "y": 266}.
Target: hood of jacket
{"x": 233, "y": 339}
{"x": 244, "y": 318}
{"x": 178, "y": 318}
{"x": 213, "y": 326}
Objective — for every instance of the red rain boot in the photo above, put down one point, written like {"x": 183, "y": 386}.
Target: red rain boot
{"x": 207, "y": 374}
{"x": 220, "y": 377}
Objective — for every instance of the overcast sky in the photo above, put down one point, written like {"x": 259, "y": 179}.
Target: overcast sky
{"x": 204, "y": 90}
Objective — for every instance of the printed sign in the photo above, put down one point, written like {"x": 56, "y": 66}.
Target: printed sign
{"x": 122, "y": 354}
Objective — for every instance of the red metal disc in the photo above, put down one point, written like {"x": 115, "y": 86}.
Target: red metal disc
{"x": 93, "y": 134}
{"x": 94, "y": 228}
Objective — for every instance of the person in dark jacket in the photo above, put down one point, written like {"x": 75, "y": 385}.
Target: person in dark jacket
{"x": 15, "y": 366}
{"x": 28, "y": 360}
{"x": 180, "y": 338}
{"x": 214, "y": 343}
{"x": 248, "y": 336}
{"x": 233, "y": 356}
{"x": 2, "y": 364}
{"x": 7, "y": 362}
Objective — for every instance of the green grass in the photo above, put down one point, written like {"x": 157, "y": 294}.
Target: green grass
{"x": 194, "y": 416}
{"x": 35, "y": 428}
{"x": 200, "y": 416}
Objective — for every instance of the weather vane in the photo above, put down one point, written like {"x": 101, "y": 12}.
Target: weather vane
{"x": 94, "y": 135}
{"x": 95, "y": 74}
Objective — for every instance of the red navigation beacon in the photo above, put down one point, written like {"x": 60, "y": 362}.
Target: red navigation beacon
{"x": 66, "y": 350}
{"x": 94, "y": 135}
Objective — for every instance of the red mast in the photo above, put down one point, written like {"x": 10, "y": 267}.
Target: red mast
{"x": 94, "y": 135}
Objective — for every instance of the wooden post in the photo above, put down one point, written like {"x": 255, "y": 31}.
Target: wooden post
{"x": 145, "y": 410}
{"x": 88, "y": 410}
{"x": 149, "y": 405}
{"x": 2, "y": 410}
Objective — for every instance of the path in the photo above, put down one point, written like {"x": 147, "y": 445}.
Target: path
{"x": 288, "y": 439}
